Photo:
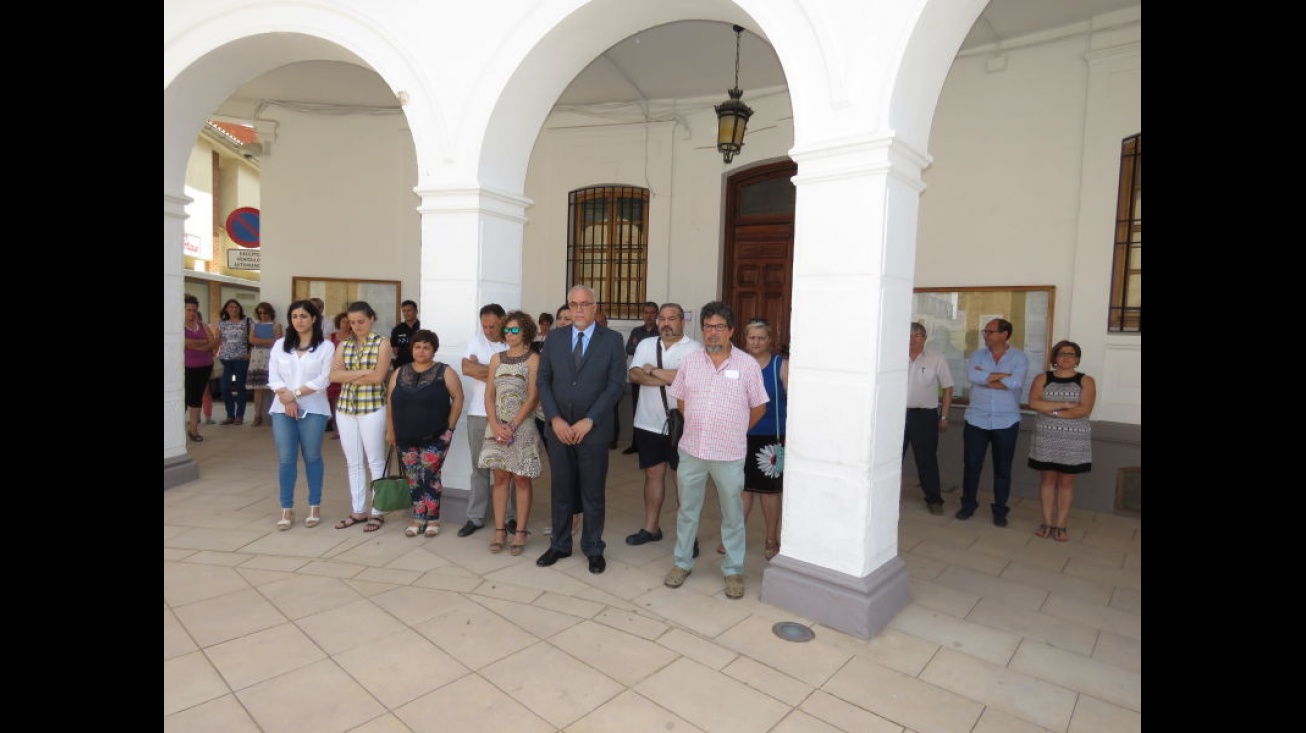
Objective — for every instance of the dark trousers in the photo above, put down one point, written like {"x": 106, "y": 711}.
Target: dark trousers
{"x": 578, "y": 474}
{"x": 634, "y": 404}
{"x": 234, "y": 372}
{"x": 922, "y": 434}
{"x": 975, "y": 441}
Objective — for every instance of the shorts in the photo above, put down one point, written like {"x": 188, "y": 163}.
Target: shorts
{"x": 652, "y": 448}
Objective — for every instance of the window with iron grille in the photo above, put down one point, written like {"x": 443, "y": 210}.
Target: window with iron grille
{"x": 607, "y": 246}
{"x": 1127, "y": 264}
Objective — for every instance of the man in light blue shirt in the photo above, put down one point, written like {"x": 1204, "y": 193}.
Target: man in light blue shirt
{"x": 996, "y": 374}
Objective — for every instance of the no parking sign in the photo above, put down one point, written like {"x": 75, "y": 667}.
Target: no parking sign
{"x": 242, "y": 226}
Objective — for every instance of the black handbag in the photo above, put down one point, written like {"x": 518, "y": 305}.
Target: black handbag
{"x": 674, "y": 427}
{"x": 391, "y": 493}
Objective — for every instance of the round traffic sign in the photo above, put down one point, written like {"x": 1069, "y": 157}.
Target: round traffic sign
{"x": 242, "y": 226}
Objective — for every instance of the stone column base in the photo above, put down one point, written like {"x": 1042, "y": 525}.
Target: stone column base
{"x": 857, "y": 606}
{"x": 179, "y": 470}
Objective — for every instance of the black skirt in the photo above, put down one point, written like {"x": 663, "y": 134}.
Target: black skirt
{"x": 763, "y": 467}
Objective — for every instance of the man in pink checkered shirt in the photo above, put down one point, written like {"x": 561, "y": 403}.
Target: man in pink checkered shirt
{"x": 720, "y": 391}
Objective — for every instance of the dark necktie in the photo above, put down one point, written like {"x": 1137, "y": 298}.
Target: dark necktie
{"x": 579, "y": 351}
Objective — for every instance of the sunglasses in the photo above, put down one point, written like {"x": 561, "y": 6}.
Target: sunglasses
{"x": 513, "y": 330}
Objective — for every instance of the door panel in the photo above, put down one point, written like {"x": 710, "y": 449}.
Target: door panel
{"x": 759, "y": 245}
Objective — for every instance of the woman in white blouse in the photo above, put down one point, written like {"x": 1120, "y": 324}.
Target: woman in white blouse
{"x": 298, "y": 373}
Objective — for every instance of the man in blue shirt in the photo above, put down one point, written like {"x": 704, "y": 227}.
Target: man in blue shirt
{"x": 996, "y": 374}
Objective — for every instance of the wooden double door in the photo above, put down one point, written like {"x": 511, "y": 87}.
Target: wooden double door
{"x": 759, "y": 247}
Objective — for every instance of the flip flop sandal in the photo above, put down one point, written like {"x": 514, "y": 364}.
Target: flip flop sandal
{"x": 349, "y": 521}
{"x": 374, "y": 523}
{"x": 1043, "y": 531}
{"x": 1059, "y": 534}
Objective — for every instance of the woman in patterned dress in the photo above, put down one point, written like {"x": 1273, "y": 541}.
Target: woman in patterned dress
{"x": 263, "y": 333}
{"x": 1062, "y": 447}
{"x": 511, "y": 448}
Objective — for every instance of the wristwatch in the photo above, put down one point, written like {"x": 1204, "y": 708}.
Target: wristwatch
{"x": 298, "y": 392}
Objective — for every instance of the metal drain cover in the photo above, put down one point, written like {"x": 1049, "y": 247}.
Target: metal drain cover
{"x": 793, "y": 631}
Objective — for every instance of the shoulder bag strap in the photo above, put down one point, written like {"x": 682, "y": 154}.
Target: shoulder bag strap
{"x": 775, "y": 379}
{"x": 662, "y": 388}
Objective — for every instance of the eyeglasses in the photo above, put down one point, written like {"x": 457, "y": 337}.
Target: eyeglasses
{"x": 718, "y": 327}
{"x": 574, "y": 306}
{"x": 991, "y": 331}
{"x": 512, "y": 330}
{"x": 1067, "y": 353}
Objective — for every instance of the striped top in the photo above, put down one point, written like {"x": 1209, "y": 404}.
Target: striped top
{"x": 360, "y": 399}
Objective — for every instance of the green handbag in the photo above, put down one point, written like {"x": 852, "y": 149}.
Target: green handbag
{"x": 391, "y": 493}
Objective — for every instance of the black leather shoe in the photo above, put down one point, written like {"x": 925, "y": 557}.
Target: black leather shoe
{"x": 642, "y": 536}
{"x": 597, "y": 564}
{"x": 551, "y": 556}
{"x": 695, "y": 547}
{"x": 630, "y": 451}
{"x": 964, "y": 513}
{"x": 999, "y": 520}
{"x": 467, "y": 529}
{"x": 511, "y": 526}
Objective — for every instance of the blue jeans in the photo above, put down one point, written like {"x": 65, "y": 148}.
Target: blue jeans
{"x": 234, "y": 372}
{"x": 299, "y": 436}
{"x": 729, "y": 479}
{"x": 975, "y": 441}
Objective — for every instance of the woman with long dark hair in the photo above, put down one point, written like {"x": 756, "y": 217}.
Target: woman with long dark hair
{"x": 299, "y": 370}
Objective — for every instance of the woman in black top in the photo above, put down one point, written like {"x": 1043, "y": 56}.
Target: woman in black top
{"x": 425, "y": 399}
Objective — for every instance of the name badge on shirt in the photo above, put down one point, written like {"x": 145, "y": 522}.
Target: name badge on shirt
{"x": 731, "y": 374}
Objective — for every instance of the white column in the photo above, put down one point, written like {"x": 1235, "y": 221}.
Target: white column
{"x": 854, "y": 257}
{"x": 178, "y": 467}
{"x": 471, "y": 256}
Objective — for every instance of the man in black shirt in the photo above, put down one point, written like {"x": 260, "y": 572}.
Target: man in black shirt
{"x": 401, "y": 336}
{"x": 637, "y": 334}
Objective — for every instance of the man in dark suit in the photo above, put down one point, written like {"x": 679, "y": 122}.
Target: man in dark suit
{"x": 581, "y": 376}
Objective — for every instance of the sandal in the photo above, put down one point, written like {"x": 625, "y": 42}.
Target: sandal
{"x": 1059, "y": 534}
{"x": 350, "y": 521}
{"x": 287, "y": 519}
{"x": 314, "y": 517}
{"x": 195, "y": 437}
{"x": 258, "y": 421}
{"x": 413, "y": 529}
{"x": 516, "y": 549}
{"x": 772, "y": 549}
{"x": 239, "y": 421}
{"x": 1043, "y": 531}
{"x": 432, "y": 529}
{"x": 497, "y": 545}
{"x": 374, "y": 523}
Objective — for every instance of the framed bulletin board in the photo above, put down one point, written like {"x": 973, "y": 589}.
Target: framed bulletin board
{"x": 954, "y": 317}
{"x": 338, "y": 293}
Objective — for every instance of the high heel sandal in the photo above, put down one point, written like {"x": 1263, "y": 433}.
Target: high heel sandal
{"x": 287, "y": 519}
{"x": 314, "y": 517}
{"x": 772, "y": 549}
{"x": 497, "y": 545}
{"x": 515, "y": 548}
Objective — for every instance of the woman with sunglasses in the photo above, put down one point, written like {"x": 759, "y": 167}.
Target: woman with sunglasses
{"x": 263, "y": 333}
{"x": 1062, "y": 447}
{"x": 511, "y": 448}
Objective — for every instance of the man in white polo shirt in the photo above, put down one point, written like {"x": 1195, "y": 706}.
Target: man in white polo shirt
{"x": 653, "y": 367}
{"x": 476, "y": 366}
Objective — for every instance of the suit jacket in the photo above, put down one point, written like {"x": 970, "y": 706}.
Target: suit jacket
{"x": 591, "y": 392}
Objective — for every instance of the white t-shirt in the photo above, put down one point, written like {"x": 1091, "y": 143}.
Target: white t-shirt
{"x": 481, "y": 348}
{"x": 649, "y": 414}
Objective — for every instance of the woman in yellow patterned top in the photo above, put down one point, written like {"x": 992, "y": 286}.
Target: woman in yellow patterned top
{"x": 361, "y": 366}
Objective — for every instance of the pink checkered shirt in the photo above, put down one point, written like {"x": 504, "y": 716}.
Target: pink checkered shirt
{"x": 717, "y": 403}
